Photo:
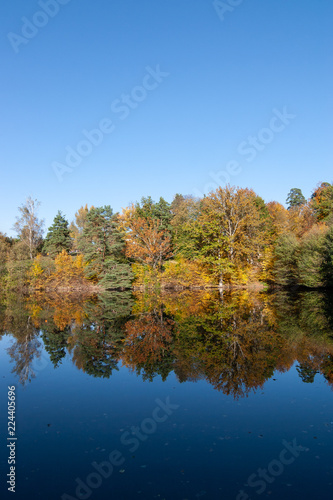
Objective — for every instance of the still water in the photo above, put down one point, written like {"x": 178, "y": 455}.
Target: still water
{"x": 172, "y": 396}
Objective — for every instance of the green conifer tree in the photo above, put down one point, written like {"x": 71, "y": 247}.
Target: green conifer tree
{"x": 295, "y": 198}
{"x": 102, "y": 245}
{"x": 58, "y": 237}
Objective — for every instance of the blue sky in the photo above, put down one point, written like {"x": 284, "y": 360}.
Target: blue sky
{"x": 223, "y": 79}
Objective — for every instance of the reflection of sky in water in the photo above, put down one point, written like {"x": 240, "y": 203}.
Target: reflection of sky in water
{"x": 206, "y": 448}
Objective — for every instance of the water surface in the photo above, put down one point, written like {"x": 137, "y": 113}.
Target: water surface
{"x": 189, "y": 395}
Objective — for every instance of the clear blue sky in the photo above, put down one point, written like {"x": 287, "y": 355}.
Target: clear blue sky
{"x": 225, "y": 77}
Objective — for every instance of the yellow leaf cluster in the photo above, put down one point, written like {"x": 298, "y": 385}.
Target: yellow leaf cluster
{"x": 145, "y": 275}
{"x": 267, "y": 264}
{"x": 36, "y": 272}
{"x": 68, "y": 268}
{"x": 185, "y": 273}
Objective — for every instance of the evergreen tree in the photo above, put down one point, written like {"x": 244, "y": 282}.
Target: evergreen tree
{"x": 149, "y": 209}
{"x": 55, "y": 342}
{"x": 162, "y": 211}
{"x": 58, "y": 237}
{"x": 295, "y": 198}
{"x": 102, "y": 245}
{"x": 306, "y": 372}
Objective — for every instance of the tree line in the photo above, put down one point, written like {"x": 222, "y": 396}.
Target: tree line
{"x": 228, "y": 237}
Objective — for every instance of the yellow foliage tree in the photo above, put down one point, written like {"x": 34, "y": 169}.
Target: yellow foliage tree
{"x": 68, "y": 268}
{"x": 36, "y": 272}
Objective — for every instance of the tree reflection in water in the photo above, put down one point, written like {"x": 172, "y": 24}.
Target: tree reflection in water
{"x": 235, "y": 341}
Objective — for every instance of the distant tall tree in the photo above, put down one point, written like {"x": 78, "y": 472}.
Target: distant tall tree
{"x": 102, "y": 245}
{"x": 295, "y": 198}
{"x": 28, "y": 227}
{"x": 58, "y": 236}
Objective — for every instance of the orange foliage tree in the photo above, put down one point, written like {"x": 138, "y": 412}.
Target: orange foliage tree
{"x": 146, "y": 241}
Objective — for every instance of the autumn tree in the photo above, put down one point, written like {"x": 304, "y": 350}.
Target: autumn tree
{"x": 322, "y": 201}
{"x": 298, "y": 219}
{"x": 279, "y": 217}
{"x": 301, "y": 219}
{"x": 148, "y": 243}
{"x": 28, "y": 227}
{"x": 146, "y": 240}
{"x": 230, "y": 234}
{"x": 58, "y": 237}
{"x": 68, "y": 269}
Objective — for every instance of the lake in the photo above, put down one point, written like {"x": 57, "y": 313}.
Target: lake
{"x": 189, "y": 395}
